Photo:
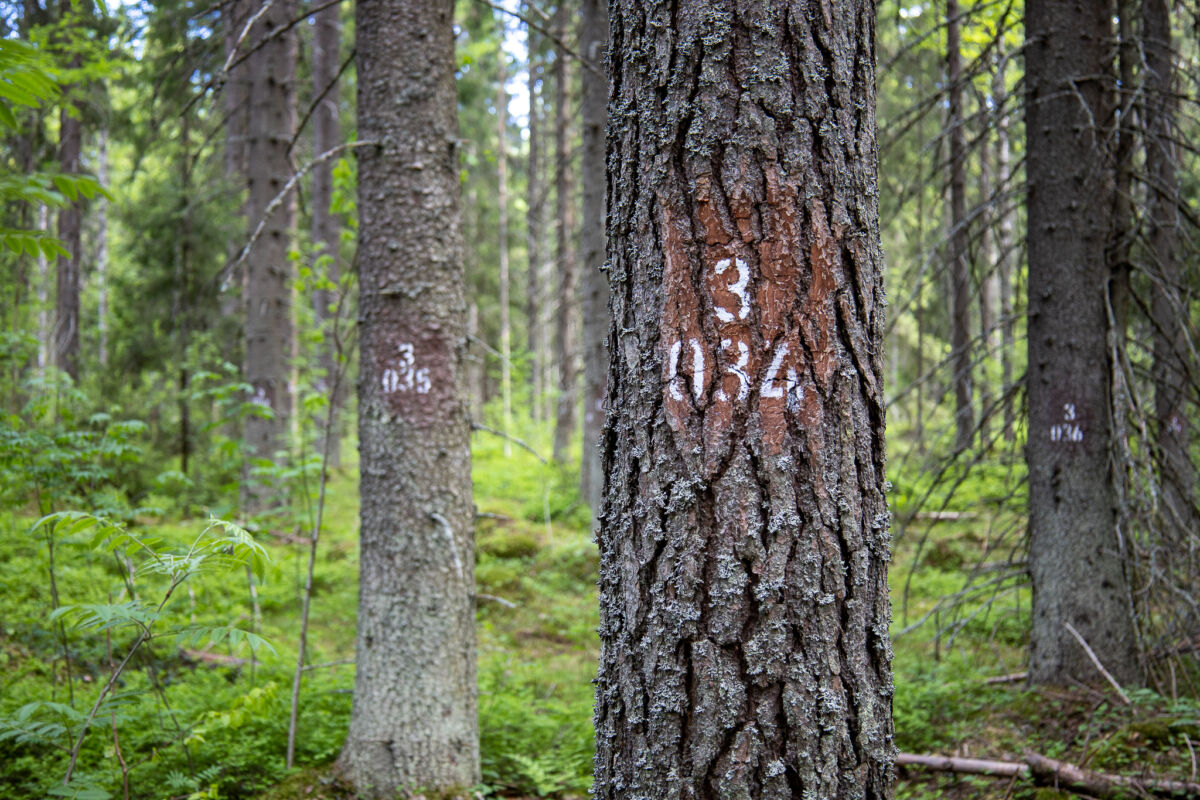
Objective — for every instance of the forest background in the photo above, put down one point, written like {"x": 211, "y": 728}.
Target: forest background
{"x": 153, "y": 151}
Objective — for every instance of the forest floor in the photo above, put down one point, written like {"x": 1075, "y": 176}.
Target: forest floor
{"x": 223, "y": 731}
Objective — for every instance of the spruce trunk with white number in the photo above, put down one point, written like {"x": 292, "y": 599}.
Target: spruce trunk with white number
{"x": 1075, "y": 548}
{"x": 744, "y": 534}
{"x": 413, "y": 726}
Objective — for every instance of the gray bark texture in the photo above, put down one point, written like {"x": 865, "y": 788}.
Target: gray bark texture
{"x": 70, "y": 232}
{"x": 1169, "y": 304}
{"x": 744, "y": 536}
{"x": 566, "y": 316}
{"x": 414, "y": 722}
{"x": 959, "y": 252}
{"x": 270, "y": 341}
{"x": 1075, "y": 552}
{"x": 326, "y": 230}
{"x": 593, "y": 42}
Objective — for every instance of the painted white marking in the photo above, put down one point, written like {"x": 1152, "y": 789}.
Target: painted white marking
{"x": 405, "y": 377}
{"x": 738, "y": 369}
{"x": 738, "y": 288}
{"x": 260, "y": 397}
{"x": 673, "y": 371}
{"x": 1069, "y": 412}
{"x": 1066, "y": 433}
{"x": 697, "y": 369}
{"x": 769, "y": 388}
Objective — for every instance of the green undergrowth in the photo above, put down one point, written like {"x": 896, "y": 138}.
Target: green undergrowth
{"x": 221, "y": 732}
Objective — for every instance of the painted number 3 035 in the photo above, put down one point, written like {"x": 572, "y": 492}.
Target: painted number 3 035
{"x": 405, "y": 376}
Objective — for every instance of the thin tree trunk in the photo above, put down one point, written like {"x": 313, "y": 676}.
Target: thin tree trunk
{"x": 414, "y": 722}
{"x": 502, "y": 245}
{"x": 959, "y": 256}
{"x": 1172, "y": 378}
{"x": 181, "y": 313}
{"x": 269, "y": 332}
{"x": 236, "y": 99}
{"x": 1075, "y": 555}
{"x": 1004, "y": 245}
{"x": 70, "y": 230}
{"x": 593, "y": 42}
{"x": 989, "y": 295}
{"x": 326, "y": 234}
{"x": 566, "y": 322}
{"x": 744, "y": 605}
{"x": 102, "y": 253}
{"x": 534, "y": 206}
{"x": 45, "y": 334}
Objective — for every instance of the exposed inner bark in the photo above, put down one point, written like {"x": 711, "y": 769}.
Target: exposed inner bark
{"x": 744, "y": 536}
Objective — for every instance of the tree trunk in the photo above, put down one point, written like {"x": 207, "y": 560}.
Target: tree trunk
{"x": 1005, "y": 242}
{"x": 959, "y": 257}
{"x": 502, "y": 246}
{"x": 269, "y": 335}
{"x": 326, "y": 233}
{"x": 593, "y": 41}
{"x": 534, "y": 206}
{"x": 414, "y": 722}
{"x": 1172, "y": 378}
{"x": 744, "y": 537}
{"x": 236, "y": 98}
{"x": 102, "y": 253}
{"x": 566, "y": 322}
{"x": 70, "y": 232}
{"x": 1075, "y": 554}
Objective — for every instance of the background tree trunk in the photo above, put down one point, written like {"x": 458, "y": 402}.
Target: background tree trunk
{"x": 593, "y": 41}
{"x": 959, "y": 255}
{"x": 414, "y": 719}
{"x": 326, "y": 230}
{"x": 534, "y": 215}
{"x": 744, "y": 536}
{"x": 102, "y": 252}
{"x": 566, "y": 318}
{"x": 1075, "y": 558}
{"x": 236, "y": 101}
{"x": 1005, "y": 243}
{"x": 502, "y": 248}
{"x": 1172, "y": 378}
{"x": 270, "y": 341}
{"x": 70, "y": 230}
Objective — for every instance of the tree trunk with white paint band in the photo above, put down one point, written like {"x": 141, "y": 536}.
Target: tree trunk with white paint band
{"x": 744, "y": 537}
{"x": 414, "y": 725}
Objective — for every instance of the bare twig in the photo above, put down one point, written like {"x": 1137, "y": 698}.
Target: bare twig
{"x": 587, "y": 64}
{"x": 329, "y": 664}
{"x": 495, "y": 599}
{"x": 1096, "y": 661}
{"x": 479, "y": 426}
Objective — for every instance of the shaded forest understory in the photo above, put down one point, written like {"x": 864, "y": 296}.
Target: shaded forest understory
{"x": 957, "y": 693}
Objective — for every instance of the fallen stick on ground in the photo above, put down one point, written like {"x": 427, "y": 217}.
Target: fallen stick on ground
{"x": 1059, "y": 774}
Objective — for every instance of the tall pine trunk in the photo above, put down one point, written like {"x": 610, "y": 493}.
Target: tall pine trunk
{"x": 744, "y": 536}
{"x": 270, "y": 340}
{"x": 1075, "y": 559}
{"x": 593, "y": 41}
{"x": 566, "y": 317}
{"x": 326, "y": 233}
{"x": 502, "y": 247}
{"x": 70, "y": 231}
{"x": 413, "y": 726}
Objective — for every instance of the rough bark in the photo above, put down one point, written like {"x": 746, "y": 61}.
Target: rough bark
{"x": 958, "y": 252}
{"x": 326, "y": 230}
{"x": 502, "y": 247}
{"x": 566, "y": 316}
{"x": 1172, "y": 378}
{"x": 744, "y": 535}
{"x": 1075, "y": 557}
{"x": 270, "y": 340}
{"x": 102, "y": 253}
{"x": 593, "y": 42}
{"x": 414, "y": 723}
{"x": 236, "y": 102}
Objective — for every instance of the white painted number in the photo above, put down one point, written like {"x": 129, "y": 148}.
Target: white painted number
{"x": 738, "y": 288}
{"x": 738, "y": 369}
{"x": 697, "y": 369}
{"x": 1069, "y": 429}
{"x": 405, "y": 377}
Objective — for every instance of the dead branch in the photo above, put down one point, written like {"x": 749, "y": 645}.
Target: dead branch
{"x": 1058, "y": 774}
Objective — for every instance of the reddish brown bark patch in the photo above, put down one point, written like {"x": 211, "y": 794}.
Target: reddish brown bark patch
{"x": 414, "y": 375}
{"x": 820, "y": 322}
